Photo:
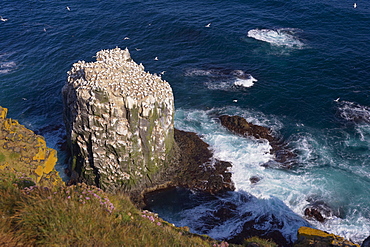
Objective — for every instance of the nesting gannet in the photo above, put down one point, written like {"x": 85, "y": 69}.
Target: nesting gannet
{"x": 68, "y": 8}
{"x": 208, "y": 25}
{"x": 3, "y": 19}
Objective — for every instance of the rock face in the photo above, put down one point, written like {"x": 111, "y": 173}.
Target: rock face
{"x": 25, "y": 154}
{"x": 313, "y": 237}
{"x": 119, "y": 120}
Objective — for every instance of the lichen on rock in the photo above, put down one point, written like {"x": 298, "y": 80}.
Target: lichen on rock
{"x": 313, "y": 237}
{"x": 119, "y": 120}
{"x": 25, "y": 154}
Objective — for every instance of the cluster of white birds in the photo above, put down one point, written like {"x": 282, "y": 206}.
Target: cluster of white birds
{"x": 116, "y": 72}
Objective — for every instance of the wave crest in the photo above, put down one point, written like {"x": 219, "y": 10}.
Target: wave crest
{"x": 278, "y": 37}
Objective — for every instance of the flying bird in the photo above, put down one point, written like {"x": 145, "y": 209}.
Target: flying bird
{"x": 337, "y": 100}
{"x": 3, "y": 19}
{"x": 355, "y": 5}
{"x": 126, "y": 38}
{"x": 156, "y": 58}
{"x": 208, "y": 25}
{"x": 68, "y": 8}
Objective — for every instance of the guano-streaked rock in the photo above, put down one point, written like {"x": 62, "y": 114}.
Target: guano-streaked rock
{"x": 119, "y": 120}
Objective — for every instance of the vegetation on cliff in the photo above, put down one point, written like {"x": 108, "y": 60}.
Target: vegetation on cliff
{"x": 82, "y": 215}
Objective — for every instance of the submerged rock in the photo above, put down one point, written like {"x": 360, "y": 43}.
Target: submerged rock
{"x": 236, "y": 124}
{"x": 25, "y": 154}
{"x": 119, "y": 121}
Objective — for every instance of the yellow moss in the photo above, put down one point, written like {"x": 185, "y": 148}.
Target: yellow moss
{"x": 30, "y": 147}
{"x": 312, "y": 232}
{"x": 313, "y": 237}
{"x": 50, "y": 161}
{"x": 41, "y": 154}
{"x": 3, "y": 112}
{"x": 39, "y": 171}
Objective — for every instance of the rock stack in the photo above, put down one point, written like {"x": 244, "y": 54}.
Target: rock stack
{"x": 119, "y": 120}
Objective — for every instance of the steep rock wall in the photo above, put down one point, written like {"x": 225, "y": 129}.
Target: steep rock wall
{"x": 119, "y": 120}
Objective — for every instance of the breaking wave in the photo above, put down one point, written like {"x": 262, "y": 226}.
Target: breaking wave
{"x": 278, "y": 37}
{"x": 223, "y": 79}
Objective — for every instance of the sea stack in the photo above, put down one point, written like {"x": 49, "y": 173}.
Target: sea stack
{"x": 119, "y": 121}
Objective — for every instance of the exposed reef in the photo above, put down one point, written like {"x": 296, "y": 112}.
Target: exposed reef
{"x": 282, "y": 156}
{"x": 25, "y": 154}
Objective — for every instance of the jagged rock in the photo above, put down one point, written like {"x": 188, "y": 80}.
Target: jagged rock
{"x": 25, "y": 154}
{"x": 119, "y": 120}
{"x": 366, "y": 242}
{"x": 319, "y": 210}
{"x": 239, "y": 125}
{"x": 312, "y": 237}
{"x": 314, "y": 213}
{"x": 198, "y": 169}
{"x": 254, "y": 179}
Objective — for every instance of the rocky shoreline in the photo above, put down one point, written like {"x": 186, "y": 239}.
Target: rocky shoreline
{"x": 121, "y": 138}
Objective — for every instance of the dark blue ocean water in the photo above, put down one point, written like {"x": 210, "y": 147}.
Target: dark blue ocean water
{"x": 303, "y": 54}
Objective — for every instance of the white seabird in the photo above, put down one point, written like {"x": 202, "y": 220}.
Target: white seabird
{"x": 156, "y": 58}
{"x": 355, "y": 5}
{"x": 3, "y": 19}
{"x": 126, "y": 38}
{"x": 68, "y": 8}
{"x": 208, "y": 25}
{"x": 337, "y": 100}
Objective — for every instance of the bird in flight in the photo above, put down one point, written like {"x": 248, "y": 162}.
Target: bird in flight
{"x": 208, "y": 25}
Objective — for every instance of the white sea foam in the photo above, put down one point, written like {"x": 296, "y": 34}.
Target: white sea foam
{"x": 318, "y": 178}
{"x": 6, "y": 67}
{"x": 351, "y": 111}
{"x": 278, "y": 37}
{"x": 221, "y": 79}
{"x": 247, "y": 82}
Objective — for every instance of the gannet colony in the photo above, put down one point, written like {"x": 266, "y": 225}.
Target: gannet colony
{"x": 119, "y": 120}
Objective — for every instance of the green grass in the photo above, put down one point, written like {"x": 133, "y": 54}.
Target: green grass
{"x": 82, "y": 215}
{"x": 2, "y": 157}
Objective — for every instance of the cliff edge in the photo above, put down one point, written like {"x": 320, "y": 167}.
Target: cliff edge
{"x": 25, "y": 154}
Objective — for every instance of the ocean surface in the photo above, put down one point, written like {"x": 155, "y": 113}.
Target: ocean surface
{"x": 298, "y": 67}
